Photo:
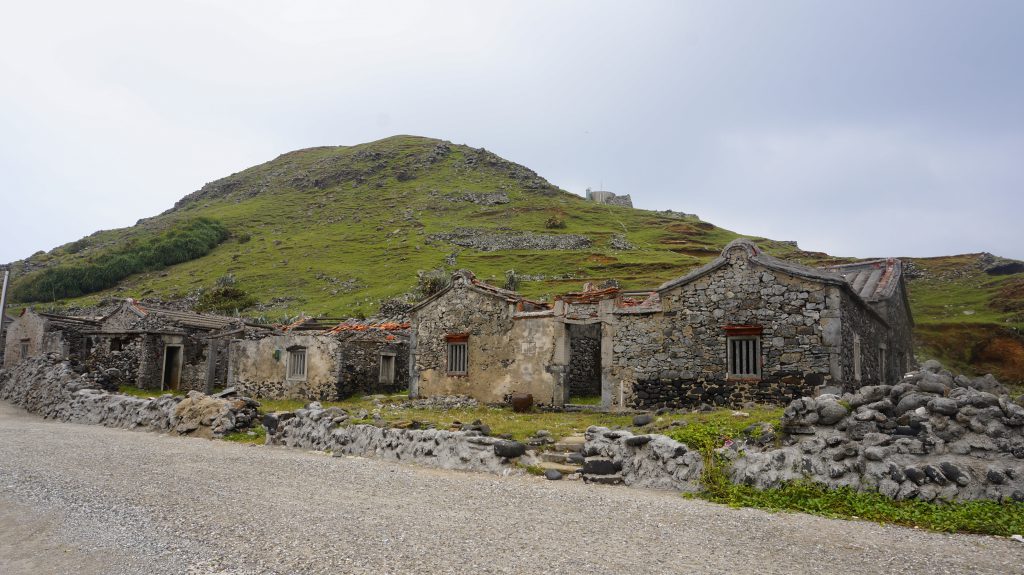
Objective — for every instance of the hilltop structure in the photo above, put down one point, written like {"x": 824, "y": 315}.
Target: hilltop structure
{"x": 746, "y": 327}
{"x": 602, "y": 197}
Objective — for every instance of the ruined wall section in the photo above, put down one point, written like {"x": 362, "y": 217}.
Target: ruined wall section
{"x": 679, "y": 358}
{"x": 361, "y": 365}
{"x": 506, "y": 355}
{"x": 860, "y": 321}
{"x": 28, "y": 328}
{"x": 259, "y": 368}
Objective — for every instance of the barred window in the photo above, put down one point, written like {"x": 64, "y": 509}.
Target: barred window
{"x": 744, "y": 356}
{"x": 297, "y": 363}
{"x": 458, "y": 357}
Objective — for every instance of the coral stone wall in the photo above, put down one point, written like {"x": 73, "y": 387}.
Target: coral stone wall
{"x": 506, "y": 355}
{"x": 361, "y": 369}
{"x": 872, "y": 333}
{"x": 259, "y": 368}
{"x": 677, "y": 357}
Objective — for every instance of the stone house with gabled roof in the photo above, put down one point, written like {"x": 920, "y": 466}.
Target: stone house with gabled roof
{"x": 746, "y": 327}
{"x": 476, "y": 339}
{"x": 322, "y": 359}
{"x": 33, "y": 334}
{"x": 157, "y": 348}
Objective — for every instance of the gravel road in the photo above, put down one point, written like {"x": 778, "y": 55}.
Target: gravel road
{"x": 85, "y": 499}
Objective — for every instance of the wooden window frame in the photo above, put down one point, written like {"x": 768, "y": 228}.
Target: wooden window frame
{"x": 387, "y": 376}
{"x": 457, "y": 352}
{"x": 293, "y": 368}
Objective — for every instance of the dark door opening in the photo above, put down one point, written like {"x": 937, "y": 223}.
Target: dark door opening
{"x": 584, "y": 376}
{"x": 172, "y": 368}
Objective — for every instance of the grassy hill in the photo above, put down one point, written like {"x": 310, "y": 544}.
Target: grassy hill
{"x": 337, "y": 230}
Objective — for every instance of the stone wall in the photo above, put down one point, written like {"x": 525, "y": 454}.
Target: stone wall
{"x": 27, "y": 328}
{"x": 648, "y": 461}
{"x": 677, "y": 356}
{"x": 506, "y": 355}
{"x": 930, "y": 437}
{"x": 583, "y": 375}
{"x": 119, "y": 360}
{"x": 860, "y": 321}
{"x": 48, "y": 386}
{"x": 329, "y": 430}
{"x": 259, "y": 368}
{"x": 361, "y": 365}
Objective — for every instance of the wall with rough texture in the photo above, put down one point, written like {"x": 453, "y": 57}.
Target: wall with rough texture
{"x": 648, "y": 461}
{"x": 255, "y": 371}
{"x": 583, "y": 374}
{"x": 928, "y": 437}
{"x": 361, "y": 369}
{"x": 48, "y": 386}
{"x": 27, "y": 328}
{"x": 677, "y": 357}
{"x": 328, "y": 430}
{"x": 872, "y": 333}
{"x": 506, "y": 355}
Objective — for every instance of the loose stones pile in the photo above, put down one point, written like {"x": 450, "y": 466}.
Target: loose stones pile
{"x": 932, "y": 436}
{"x": 50, "y": 387}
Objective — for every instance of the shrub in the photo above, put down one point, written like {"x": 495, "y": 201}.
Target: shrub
{"x": 511, "y": 280}
{"x": 183, "y": 242}
{"x": 430, "y": 282}
{"x": 225, "y": 299}
{"x": 554, "y": 222}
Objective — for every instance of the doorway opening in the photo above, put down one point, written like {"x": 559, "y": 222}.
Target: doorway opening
{"x": 172, "y": 368}
{"x": 584, "y": 373}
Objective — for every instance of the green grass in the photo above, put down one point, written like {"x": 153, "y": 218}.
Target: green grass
{"x": 146, "y": 393}
{"x": 585, "y": 400}
{"x": 256, "y": 435}
{"x": 986, "y": 517}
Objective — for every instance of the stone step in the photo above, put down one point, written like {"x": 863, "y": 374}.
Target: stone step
{"x": 561, "y": 456}
{"x": 560, "y": 467}
{"x": 570, "y": 443}
{"x": 615, "y": 479}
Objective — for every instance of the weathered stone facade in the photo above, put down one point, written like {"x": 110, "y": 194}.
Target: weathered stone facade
{"x": 610, "y": 198}
{"x": 794, "y": 329}
{"x": 509, "y": 348}
{"x": 353, "y": 357}
{"x": 34, "y": 334}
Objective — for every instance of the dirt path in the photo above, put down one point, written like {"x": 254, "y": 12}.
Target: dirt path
{"x": 84, "y": 499}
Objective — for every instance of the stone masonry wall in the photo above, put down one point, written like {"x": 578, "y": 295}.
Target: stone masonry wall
{"x": 583, "y": 375}
{"x": 678, "y": 356}
{"x": 930, "y": 437}
{"x": 505, "y": 355}
{"x": 259, "y": 368}
{"x": 360, "y": 366}
{"x": 48, "y": 386}
{"x": 872, "y": 333}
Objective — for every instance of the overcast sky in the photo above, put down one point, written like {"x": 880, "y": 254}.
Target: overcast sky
{"x": 856, "y": 128}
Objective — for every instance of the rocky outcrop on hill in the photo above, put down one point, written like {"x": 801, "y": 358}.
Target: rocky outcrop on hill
{"x": 49, "y": 387}
{"x": 490, "y": 241}
{"x": 929, "y": 437}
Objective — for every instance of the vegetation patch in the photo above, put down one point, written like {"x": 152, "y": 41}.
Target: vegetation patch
{"x": 183, "y": 242}
{"x": 986, "y": 517}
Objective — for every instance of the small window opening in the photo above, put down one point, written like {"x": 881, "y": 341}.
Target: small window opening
{"x": 24, "y": 348}
{"x": 387, "y": 368}
{"x": 115, "y": 344}
{"x": 458, "y": 356}
{"x": 744, "y": 356}
{"x": 856, "y": 357}
{"x": 297, "y": 363}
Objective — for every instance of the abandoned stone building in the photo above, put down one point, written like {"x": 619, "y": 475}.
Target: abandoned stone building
{"x": 6, "y": 323}
{"x": 165, "y": 349}
{"x": 35, "y": 333}
{"x": 322, "y": 360}
{"x": 747, "y": 327}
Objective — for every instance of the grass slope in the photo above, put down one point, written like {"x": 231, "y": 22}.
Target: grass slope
{"x": 336, "y": 230}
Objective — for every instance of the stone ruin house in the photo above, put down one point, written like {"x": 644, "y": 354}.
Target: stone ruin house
{"x": 747, "y": 327}
{"x": 163, "y": 349}
{"x": 35, "y": 333}
{"x": 475, "y": 339}
{"x": 321, "y": 359}
{"x": 7, "y": 321}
